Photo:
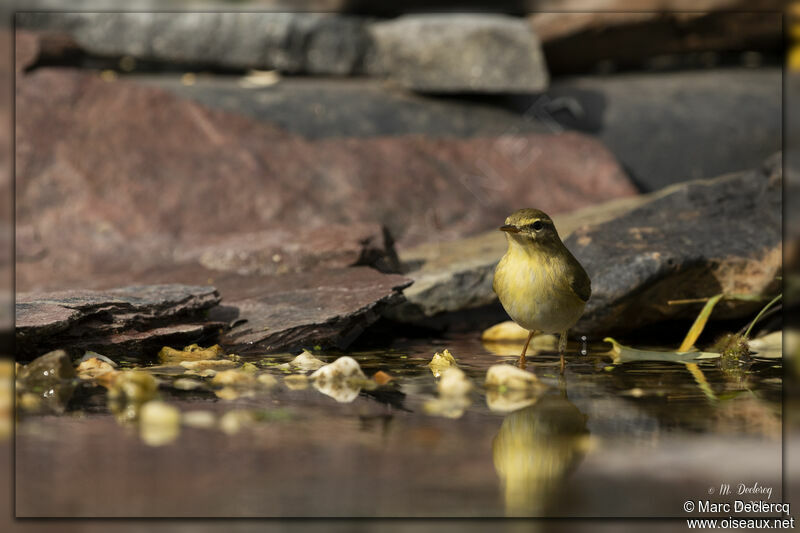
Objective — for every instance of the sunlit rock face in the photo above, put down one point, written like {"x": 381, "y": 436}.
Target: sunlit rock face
{"x": 693, "y": 239}
{"x": 535, "y": 449}
{"x": 698, "y": 238}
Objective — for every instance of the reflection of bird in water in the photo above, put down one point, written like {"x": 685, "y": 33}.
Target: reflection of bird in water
{"x": 535, "y": 449}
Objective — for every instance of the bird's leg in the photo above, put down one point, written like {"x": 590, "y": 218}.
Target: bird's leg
{"x": 525, "y": 349}
{"x": 562, "y": 346}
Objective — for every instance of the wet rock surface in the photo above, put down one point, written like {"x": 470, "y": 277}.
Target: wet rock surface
{"x": 691, "y": 240}
{"x": 129, "y": 320}
{"x": 458, "y": 53}
{"x": 46, "y": 383}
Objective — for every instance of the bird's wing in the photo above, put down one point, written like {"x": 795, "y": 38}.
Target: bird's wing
{"x": 580, "y": 283}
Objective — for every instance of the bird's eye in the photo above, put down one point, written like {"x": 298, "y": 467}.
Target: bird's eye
{"x": 537, "y": 225}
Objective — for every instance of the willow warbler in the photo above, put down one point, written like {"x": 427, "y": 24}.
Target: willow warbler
{"x": 541, "y": 285}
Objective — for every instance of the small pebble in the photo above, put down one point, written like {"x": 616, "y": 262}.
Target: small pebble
{"x": 159, "y": 423}
{"x": 199, "y": 419}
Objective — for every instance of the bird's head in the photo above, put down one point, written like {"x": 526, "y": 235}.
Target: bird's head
{"x": 531, "y": 228}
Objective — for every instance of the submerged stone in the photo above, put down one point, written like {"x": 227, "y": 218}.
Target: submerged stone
{"x": 208, "y": 364}
{"x": 159, "y": 423}
{"x": 234, "y": 421}
{"x": 505, "y": 331}
{"x": 342, "y": 380}
{"x": 129, "y": 390}
{"x": 48, "y": 381}
{"x": 187, "y": 384}
{"x": 447, "y": 406}
{"x": 505, "y": 400}
{"x": 267, "y": 380}
{"x": 454, "y": 387}
{"x": 47, "y": 369}
{"x": 235, "y": 378}
{"x": 381, "y": 378}
{"x": 306, "y": 361}
{"x": 510, "y": 377}
{"x": 296, "y": 382}
{"x": 454, "y": 382}
{"x": 199, "y": 419}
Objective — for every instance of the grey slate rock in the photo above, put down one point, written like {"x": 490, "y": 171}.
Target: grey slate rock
{"x": 676, "y": 126}
{"x": 458, "y": 53}
{"x": 314, "y": 43}
{"x": 703, "y": 238}
{"x": 430, "y": 53}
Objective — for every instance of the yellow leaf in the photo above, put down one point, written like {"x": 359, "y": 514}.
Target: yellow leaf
{"x": 699, "y": 324}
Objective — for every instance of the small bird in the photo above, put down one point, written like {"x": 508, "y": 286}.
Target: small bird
{"x": 541, "y": 285}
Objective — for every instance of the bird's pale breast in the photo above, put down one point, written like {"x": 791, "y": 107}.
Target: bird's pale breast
{"x": 535, "y": 293}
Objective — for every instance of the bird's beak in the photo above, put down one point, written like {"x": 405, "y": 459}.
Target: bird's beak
{"x": 509, "y": 228}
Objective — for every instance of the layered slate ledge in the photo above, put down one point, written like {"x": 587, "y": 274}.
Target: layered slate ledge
{"x": 261, "y": 313}
{"x": 126, "y": 322}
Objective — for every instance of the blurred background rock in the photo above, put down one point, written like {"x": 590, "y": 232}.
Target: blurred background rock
{"x": 145, "y": 142}
{"x": 139, "y": 132}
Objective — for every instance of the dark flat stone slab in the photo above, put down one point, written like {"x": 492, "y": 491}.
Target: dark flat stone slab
{"x": 124, "y": 321}
{"x": 329, "y": 308}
